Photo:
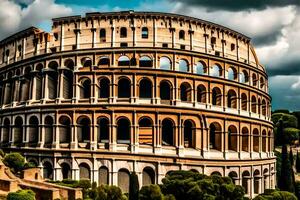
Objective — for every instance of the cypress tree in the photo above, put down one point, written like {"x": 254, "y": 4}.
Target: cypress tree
{"x": 291, "y": 157}
{"x": 133, "y": 187}
{"x": 298, "y": 163}
{"x": 286, "y": 180}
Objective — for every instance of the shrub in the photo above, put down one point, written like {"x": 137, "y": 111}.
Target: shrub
{"x": 133, "y": 187}
{"x": 21, "y": 195}
{"x": 278, "y": 195}
{"x": 14, "y": 161}
{"x": 150, "y": 192}
{"x": 109, "y": 192}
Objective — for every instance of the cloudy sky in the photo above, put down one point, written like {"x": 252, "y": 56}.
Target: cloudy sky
{"x": 273, "y": 25}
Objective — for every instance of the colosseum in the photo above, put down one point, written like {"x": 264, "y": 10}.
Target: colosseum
{"x": 106, "y": 94}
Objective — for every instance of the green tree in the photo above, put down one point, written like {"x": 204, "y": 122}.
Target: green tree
{"x": 286, "y": 180}
{"x": 298, "y": 162}
{"x": 151, "y": 192}
{"x": 85, "y": 185}
{"x": 109, "y": 192}
{"x": 189, "y": 185}
{"x": 291, "y": 135}
{"x": 291, "y": 157}
{"x": 14, "y": 161}
{"x": 133, "y": 187}
{"x": 276, "y": 195}
{"x": 297, "y": 189}
{"x": 21, "y": 195}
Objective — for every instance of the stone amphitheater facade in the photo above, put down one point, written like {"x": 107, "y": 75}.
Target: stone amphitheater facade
{"x": 106, "y": 94}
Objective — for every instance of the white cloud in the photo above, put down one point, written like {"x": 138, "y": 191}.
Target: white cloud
{"x": 14, "y": 18}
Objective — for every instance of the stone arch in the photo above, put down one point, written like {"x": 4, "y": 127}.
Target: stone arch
{"x": 262, "y": 83}
{"x": 216, "y": 71}
{"x": 145, "y": 62}
{"x": 145, "y": 88}
{"x": 244, "y": 77}
{"x": 85, "y": 88}
{"x": 124, "y": 88}
{"x": 123, "y": 180}
{"x": 245, "y": 139}
{"x": 246, "y": 181}
{"x": 123, "y": 130}
{"x": 232, "y": 138}
{"x": 86, "y": 62}
{"x": 68, "y": 79}
{"x": 47, "y": 170}
{"x": 232, "y": 73}
{"x": 148, "y": 176}
{"x": 69, "y": 64}
{"x": 39, "y": 81}
{"x": 5, "y": 130}
{"x": 168, "y": 129}
{"x": 216, "y": 173}
{"x": 253, "y": 104}
{"x": 255, "y": 140}
{"x": 165, "y": 63}
{"x": 83, "y": 129}
{"x": 84, "y": 171}
{"x": 183, "y": 65}
{"x": 104, "y": 88}
{"x": 254, "y": 80}
{"x": 52, "y": 79}
{"x": 145, "y": 130}
{"x": 201, "y": 94}
{"x": 256, "y": 184}
{"x": 231, "y": 99}
{"x": 185, "y": 92}
{"x": 244, "y": 101}
{"x": 103, "y": 175}
{"x": 103, "y": 130}
{"x": 104, "y": 61}
{"x": 66, "y": 170}
{"x": 200, "y": 68}
{"x": 215, "y": 134}
{"x": 33, "y": 131}
{"x": 165, "y": 89}
{"x": 64, "y": 129}
{"x": 264, "y": 107}
{"x": 189, "y": 131}
{"x": 18, "y": 130}
{"x": 264, "y": 141}
{"x": 124, "y": 61}
{"x": 25, "y": 82}
{"x": 234, "y": 177}
{"x": 216, "y": 96}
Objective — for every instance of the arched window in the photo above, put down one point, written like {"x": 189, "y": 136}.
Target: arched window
{"x": 183, "y": 66}
{"x": 148, "y": 176}
{"x": 181, "y": 35}
{"x": 33, "y": 130}
{"x": 200, "y": 68}
{"x": 25, "y": 85}
{"x": 245, "y": 139}
{"x": 47, "y": 170}
{"x": 8, "y": 90}
{"x": 48, "y": 130}
{"x": 264, "y": 141}
{"x": 185, "y": 92}
{"x": 216, "y": 71}
{"x": 52, "y": 80}
{"x": 253, "y": 104}
{"x": 245, "y": 181}
{"x": 38, "y": 82}
{"x": 216, "y": 97}
{"x": 189, "y": 134}
{"x": 86, "y": 62}
{"x": 232, "y": 138}
{"x": 262, "y": 83}
{"x": 103, "y": 176}
{"x": 201, "y": 94}
{"x": 102, "y": 35}
{"x": 123, "y": 32}
{"x": 145, "y": 131}
{"x": 145, "y": 88}
{"x": 165, "y": 91}
{"x": 255, "y": 140}
{"x": 84, "y": 172}
{"x": 254, "y": 80}
{"x": 231, "y": 99}
{"x": 244, "y": 102}
{"x": 216, "y": 173}
{"x": 124, "y": 61}
{"x": 66, "y": 171}
{"x": 124, "y": 88}
{"x": 165, "y": 63}
{"x": 234, "y": 177}
{"x": 18, "y": 130}
{"x": 104, "y": 61}
{"x": 232, "y": 74}
{"x": 244, "y": 78}
{"x": 264, "y": 108}
{"x": 83, "y": 129}
{"x": 145, "y": 61}
{"x": 256, "y": 181}
{"x": 145, "y": 33}
{"x": 6, "y": 131}
{"x": 85, "y": 88}
{"x": 123, "y": 180}
{"x": 123, "y": 131}
{"x": 68, "y": 79}
{"x": 104, "y": 88}
{"x": 103, "y": 130}
{"x": 167, "y": 132}
{"x": 64, "y": 130}
{"x": 215, "y": 134}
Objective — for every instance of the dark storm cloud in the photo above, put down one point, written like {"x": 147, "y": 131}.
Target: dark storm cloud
{"x": 268, "y": 39}
{"x": 289, "y": 67}
{"x": 238, "y": 5}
